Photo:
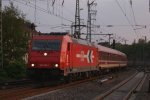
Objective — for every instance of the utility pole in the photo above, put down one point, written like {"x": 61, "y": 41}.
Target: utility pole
{"x": 89, "y": 23}
{"x": 1, "y": 37}
{"x": 77, "y": 30}
{"x": 91, "y": 19}
{"x": 125, "y": 41}
{"x": 77, "y": 20}
{"x": 109, "y": 35}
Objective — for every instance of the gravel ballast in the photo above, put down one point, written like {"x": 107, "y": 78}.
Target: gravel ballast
{"x": 83, "y": 91}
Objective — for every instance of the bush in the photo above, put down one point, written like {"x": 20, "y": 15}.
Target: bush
{"x": 3, "y": 75}
{"x": 16, "y": 70}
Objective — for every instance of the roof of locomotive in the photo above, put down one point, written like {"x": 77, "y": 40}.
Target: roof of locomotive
{"x": 62, "y": 35}
{"x": 50, "y": 35}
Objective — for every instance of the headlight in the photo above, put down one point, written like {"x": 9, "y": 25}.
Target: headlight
{"x": 45, "y": 54}
{"x": 32, "y": 65}
{"x": 56, "y": 65}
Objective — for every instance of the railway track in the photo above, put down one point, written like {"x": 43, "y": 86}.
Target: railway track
{"x": 126, "y": 89}
{"x": 14, "y": 84}
{"x": 22, "y": 92}
{"x": 28, "y": 91}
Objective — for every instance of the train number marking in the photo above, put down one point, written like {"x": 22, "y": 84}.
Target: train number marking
{"x": 89, "y": 56}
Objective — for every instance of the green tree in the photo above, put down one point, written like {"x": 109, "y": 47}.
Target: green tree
{"x": 137, "y": 53}
{"x": 14, "y": 35}
{"x": 15, "y": 41}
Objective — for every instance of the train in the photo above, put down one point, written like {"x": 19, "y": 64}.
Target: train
{"x": 57, "y": 55}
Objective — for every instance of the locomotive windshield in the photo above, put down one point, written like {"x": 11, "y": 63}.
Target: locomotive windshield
{"x": 45, "y": 45}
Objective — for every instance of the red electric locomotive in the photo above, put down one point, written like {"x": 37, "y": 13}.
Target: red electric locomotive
{"x": 58, "y": 54}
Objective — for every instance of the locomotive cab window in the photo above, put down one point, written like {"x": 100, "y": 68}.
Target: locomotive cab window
{"x": 46, "y": 45}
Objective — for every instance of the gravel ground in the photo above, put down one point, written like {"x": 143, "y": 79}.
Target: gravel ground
{"x": 143, "y": 93}
{"x": 84, "y": 91}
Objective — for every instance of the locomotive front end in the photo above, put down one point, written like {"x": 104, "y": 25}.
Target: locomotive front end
{"x": 44, "y": 57}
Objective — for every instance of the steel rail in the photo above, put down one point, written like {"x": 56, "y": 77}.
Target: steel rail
{"x": 13, "y": 84}
{"x": 19, "y": 93}
{"x": 139, "y": 84}
{"x": 101, "y": 97}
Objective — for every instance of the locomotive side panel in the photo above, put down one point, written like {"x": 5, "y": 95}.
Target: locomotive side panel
{"x": 83, "y": 57}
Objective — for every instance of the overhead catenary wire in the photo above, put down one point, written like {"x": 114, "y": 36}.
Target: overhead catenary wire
{"x": 123, "y": 12}
{"x": 111, "y": 25}
{"x": 149, "y": 5}
{"x": 62, "y": 13}
{"x": 48, "y": 8}
{"x": 55, "y": 4}
{"x": 63, "y": 3}
{"x": 133, "y": 12}
{"x": 101, "y": 25}
{"x": 126, "y": 17}
{"x": 104, "y": 27}
{"x": 134, "y": 18}
{"x": 42, "y": 10}
{"x": 35, "y": 13}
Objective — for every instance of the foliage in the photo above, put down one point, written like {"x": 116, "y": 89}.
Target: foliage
{"x": 16, "y": 69}
{"x": 15, "y": 39}
{"x": 138, "y": 53}
{"x": 14, "y": 35}
{"x": 3, "y": 75}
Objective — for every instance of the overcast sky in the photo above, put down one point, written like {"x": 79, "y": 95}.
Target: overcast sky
{"x": 118, "y": 13}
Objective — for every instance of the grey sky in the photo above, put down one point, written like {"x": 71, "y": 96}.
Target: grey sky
{"x": 109, "y": 13}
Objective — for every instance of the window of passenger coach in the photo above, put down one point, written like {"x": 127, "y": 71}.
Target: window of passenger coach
{"x": 46, "y": 44}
